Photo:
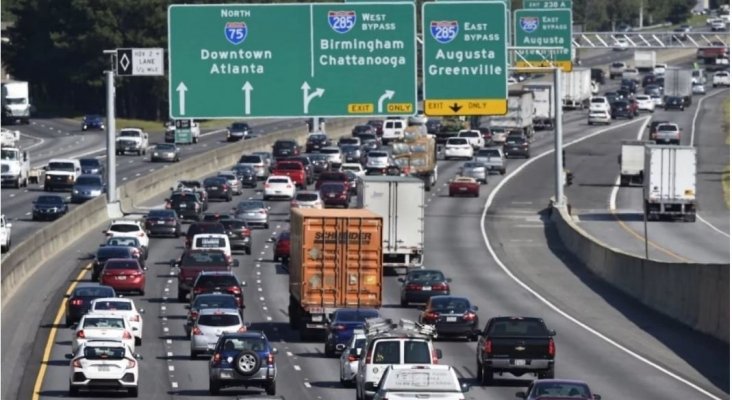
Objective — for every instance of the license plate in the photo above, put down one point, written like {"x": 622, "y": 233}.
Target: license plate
{"x": 331, "y": 195}
{"x": 227, "y": 374}
{"x": 317, "y": 318}
{"x": 121, "y": 277}
{"x": 519, "y": 363}
{"x": 426, "y": 288}
{"x": 251, "y": 214}
{"x": 278, "y": 191}
{"x": 182, "y": 206}
{"x": 451, "y": 319}
{"x": 161, "y": 222}
{"x": 462, "y": 189}
{"x": 103, "y": 368}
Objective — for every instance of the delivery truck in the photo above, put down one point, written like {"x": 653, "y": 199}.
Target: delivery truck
{"x": 15, "y": 102}
{"x": 576, "y": 88}
{"x": 543, "y": 104}
{"x": 335, "y": 262}
{"x": 632, "y": 161}
{"x": 416, "y": 155}
{"x": 677, "y": 83}
{"x": 670, "y": 182}
{"x": 520, "y": 114}
{"x": 645, "y": 60}
{"x": 400, "y": 201}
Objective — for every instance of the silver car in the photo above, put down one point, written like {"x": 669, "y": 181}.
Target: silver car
{"x": 258, "y": 162}
{"x": 307, "y": 199}
{"x": 377, "y": 159}
{"x": 165, "y": 152}
{"x": 493, "y": 159}
{"x": 253, "y": 212}
{"x": 209, "y": 325}
{"x": 349, "y": 358}
{"x": 233, "y": 181}
{"x": 476, "y": 170}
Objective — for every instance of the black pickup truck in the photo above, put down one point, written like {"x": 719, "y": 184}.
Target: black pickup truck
{"x": 518, "y": 345}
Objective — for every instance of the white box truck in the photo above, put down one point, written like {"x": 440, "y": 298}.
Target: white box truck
{"x": 520, "y": 114}
{"x": 15, "y": 102}
{"x": 576, "y": 88}
{"x": 677, "y": 83}
{"x": 670, "y": 182}
{"x": 400, "y": 201}
{"x": 543, "y": 104}
{"x": 645, "y": 60}
{"x": 632, "y": 161}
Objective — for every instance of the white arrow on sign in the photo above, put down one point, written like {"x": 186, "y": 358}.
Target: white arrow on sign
{"x": 388, "y": 94}
{"x": 247, "y": 88}
{"x": 182, "y": 89}
{"x": 306, "y": 97}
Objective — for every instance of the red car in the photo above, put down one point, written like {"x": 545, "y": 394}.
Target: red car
{"x": 331, "y": 176}
{"x": 335, "y": 194}
{"x": 294, "y": 169}
{"x": 282, "y": 247}
{"x": 464, "y": 186}
{"x": 124, "y": 275}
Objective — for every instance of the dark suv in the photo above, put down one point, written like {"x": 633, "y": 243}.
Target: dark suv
{"x": 516, "y": 145}
{"x": 243, "y": 359}
{"x": 91, "y": 166}
{"x": 162, "y": 222}
{"x": 219, "y": 282}
{"x": 218, "y": 187}
{"x": 285, "y": 148}
{"x": 240, "y": 235}
{"x": 316, "y": 142}
{"x": 187, "y": 204}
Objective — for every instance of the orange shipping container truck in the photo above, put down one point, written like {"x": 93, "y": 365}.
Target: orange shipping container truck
{"x": 335, "y": 262}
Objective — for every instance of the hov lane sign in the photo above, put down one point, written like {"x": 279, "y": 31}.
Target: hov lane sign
{"x": 140, "y": 62}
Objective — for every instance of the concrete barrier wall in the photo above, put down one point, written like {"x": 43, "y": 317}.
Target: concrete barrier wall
{"x": 696, "y": 295}
{"x": 26, "y": 257}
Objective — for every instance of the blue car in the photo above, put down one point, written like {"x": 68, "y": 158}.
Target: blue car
{"x": 92, "y": 121}
{"x": 340, "y": 330}
{"x": 243, "y": 359}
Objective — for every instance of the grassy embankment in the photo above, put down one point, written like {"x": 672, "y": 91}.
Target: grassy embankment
{"x": 155, "y": 126}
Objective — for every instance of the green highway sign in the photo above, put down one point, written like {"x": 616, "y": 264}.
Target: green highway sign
{"x": 547, "y": 4}
{"x": 292, "y": 60}
{"x": 543, "y": 28}
{"x": 464, "y": 58}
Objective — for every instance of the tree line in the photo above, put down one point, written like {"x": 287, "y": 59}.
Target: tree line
{"x": 57, "y": 45}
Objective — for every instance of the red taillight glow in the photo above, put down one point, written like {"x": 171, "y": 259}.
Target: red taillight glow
{"x": 339, "y": 327}
{"x": 81, "y": 334}
{"x": 414, "y": 286}
{"x": 552, "y": 349}
{"x": 76, "y": 363}
{"x": 352, "y": 358}
{"x": 488, "y": 347}
{"x": 196, "y": 331}
{"x": 77, "y": 302}
{"x": 270, "y": 359}
{"x": 242, "y": 329}
{"x": 289, "y": 186}
{"x": 234, "y": 289}
{"x": 431, "y": 316}
{"x": 435, "y": 357}
{"x": 439, "y": 286}
{"x": 368, "y": 357}
{"x": 469, "y": 316}
{"x": 216, "y": 359}
{"x": 131, "y": 363}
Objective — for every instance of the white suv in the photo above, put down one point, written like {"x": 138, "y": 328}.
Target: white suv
{"x": 128, "y": 227}
{"x": 457, "y": 147}
{"x": 475, "y": 138}
{"x": 103, "y": 364}
{"x": 599, "y": 103}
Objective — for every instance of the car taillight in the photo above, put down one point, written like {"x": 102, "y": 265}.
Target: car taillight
{"x": 127, "y": 335}
{"x": 225, "y": 187}
{"x": 469, "y": 316}
{"x": 135, "y": 318}
{"x": 242, "y": 329}
{"x": 80, "y": 334}
{"x": 76, "y": 363}
{"x": 439, "y": 286}
{"x": 216, "y": 359}
{"x": 289, "y": 186}
{"x": 131, "y": 363}
{"x": 246, "y": 231}
{"x": 488, "y": 347}
{"x": 194, "y": 314}
{"x": 77, "y": 302}
{"x": 431, "y": 316}
{"x": 414, "y": 286}
{"x": 235, "y": 289}
{"x": 196, "y": 331}
{"x": 270, "y": 359}
{"x": 339, "y": 327}
{"x": 352, "y": 358}
{"x": 135, "y": 253}
{"x": 294, "y": 203}
{"x": 552, "y": 349}
{"x": 435, "y": 357}
{"x": 368, "y": 357}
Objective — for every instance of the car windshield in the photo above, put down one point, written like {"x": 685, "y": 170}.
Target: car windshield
{"x": 89, "y": 180}
{"x": 473, "y": 165}
{"x": 277, "y": 180}
{"x": 471, "y": 134}
{"x": 598, "y": 100}
{"x": 207, "y": 258}
{"x": 104, "y": 353}
{"x": 104, "y": 322}
{"x": 123, "y": 241}
{"x": 112, "y": 305}
{"x": 330, "y": 151}
{"x": 89, "y": 162}
{"x": 250, "y": 205}
{"x": 332, "y": 187}
{"x": 230, "y": 177}
{"x": 354, "y": 315}
{"x": 212, "y": 281}
{"x": 244, "y": 169}
{"x": 232, "y": 224}
{"x": 560, "y": 389}
{"x": 317, "y": 138}
{"x": 106, "y": 253}
{"x": 456, "y": 141}
{"x": 165, "y": 147}
{"x": 250, "y": 160}
{"x": 55, "y": 200}
{"x": 349, "y": 148}
{"x": 306, "y": 197}
{"x": 667, "y": 128}
{"x": 124, "y": 228}
{"x": 129, "y": 133}
{"x": 214, "y": 301}
{"x": 245, "y": 343}
{"x": 289, "y": 166}
{"x": 450, "y": 304}
{"x": 214, "y": 181}
{"x": 96, "y": 291}
{"x": 61, "y": 166}
{"x": 517, "y": 327}
{"x": 219, "y": 320}
{"x": 238, "y": 126}
{"x": 426, "y": 276}
{"x": 378, "y": 154}
{"x": 183, "y": 197}
{"x": 284, "y": 145}
{"x": 121, "y": 264}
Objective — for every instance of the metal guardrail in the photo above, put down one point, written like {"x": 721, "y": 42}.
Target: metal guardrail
{"x": 650, "y": 40}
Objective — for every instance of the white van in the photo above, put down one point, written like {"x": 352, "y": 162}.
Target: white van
{"x": 393, "y": 130}
{"x": 215, "y": 241}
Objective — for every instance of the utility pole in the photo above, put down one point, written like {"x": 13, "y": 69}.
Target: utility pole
{"x": 640, "y": 13}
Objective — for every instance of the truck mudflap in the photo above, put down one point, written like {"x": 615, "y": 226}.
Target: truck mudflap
{"x": 685, "y": 210}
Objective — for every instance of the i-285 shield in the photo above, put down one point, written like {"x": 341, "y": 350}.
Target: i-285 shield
{"x": 342, "y": 21}
{"x": 444, "y": 31}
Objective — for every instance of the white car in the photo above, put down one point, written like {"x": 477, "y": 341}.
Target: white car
{"x": 349, "y": 358}
{"x": 721, "y": 78}
{"x": 698, "y": 88}
{"x": 657, "y": 100}
{"x": 599, "y": 117}
{"x": 212, "y": 241}
{"x": 121, "y": 306}
{"x": 457, "y": 147}
{"x": 660, "y": 69}
{"x": 209, "y": 325}
{"x": 129, "y": 227}
{"x": 475, "y": 138}
{"x": 621, "y": 44}
{"x": 307, "y": 199}
{"x": 631, "y": 73}
{"x": 719, "y": 26}
{"x": 103, "y": 364}
{"x": 410, "y": 382}
{"x": 599, "y": 103}
{"x": 377, "y": 159}
{"x": 645, "y": 103}
{"x": 356, "y": 168}
{"x": 334, "y": 154}
{"x": 279, "y": 186}
{"x": 103, "y": 326}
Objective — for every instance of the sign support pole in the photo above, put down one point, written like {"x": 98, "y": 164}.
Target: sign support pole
{"x": 111, "y": 144}
{"x": 558, "y": 133}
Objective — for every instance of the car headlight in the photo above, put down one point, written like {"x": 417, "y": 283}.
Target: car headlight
{"x": 76, "y": 191}
{"x": 155, "y": 154}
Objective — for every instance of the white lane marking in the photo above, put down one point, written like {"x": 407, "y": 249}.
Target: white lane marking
{"x": 171, "y": 368}
{"x": 269, "y": 318}
{"x": 551, "y": 305}
{"x": 264, "y": 308}
{"x": 261, "y": 298}
{"x": 297, "y": 367}
{"x": 170, "y": 354}
{"x": 289, "y": 354}
{"x": 162, "y": 308}
{"x": 307, "y": 385}
{"x": 28, "y": 213}
{"x": 709, "y": 224}
{"x": 165, "y": 329}
{"x": 616, "y": 186}
{"x": 174, "y": 385}
{"x": 169, "y": 341}
{"x": 170, "y": 281}
{"x": 259, "y": 289}
{"x": 40, "y": 141}
{"x": 12, "y": 194}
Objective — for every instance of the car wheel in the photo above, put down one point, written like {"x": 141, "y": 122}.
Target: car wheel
{"x": 194, "y": 354}
{"x": 329, "y": 353}
{"x": 73, "y": 391}
{"x": 69, "y": 322}
{"x": 213, "y": 386}
{"x": 247, "y": 362}
{"x": 271, "y": 389}
{"x": 133, "y": 392}
{"x": 487, "y": 377}
{"x": 403, "y": 302}
{"x": 503, "y": 171}
{"x": 266, "y": 226}
{"x": 181, "y": 296}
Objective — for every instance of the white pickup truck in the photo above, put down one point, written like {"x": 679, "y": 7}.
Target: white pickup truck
{"x": 133, "y": 140}
{"x": 15, "y": 166}
{"x": 721, "y": 78}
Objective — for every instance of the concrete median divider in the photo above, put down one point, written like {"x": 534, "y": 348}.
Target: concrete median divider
{"x": 696, "y": 295}
{"x": 26, "y": 257}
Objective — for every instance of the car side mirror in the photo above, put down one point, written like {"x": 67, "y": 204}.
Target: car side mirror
{"x": 68, "y": 356}
{"x": 438, "y": 353}
{"x": 521, "y": 395}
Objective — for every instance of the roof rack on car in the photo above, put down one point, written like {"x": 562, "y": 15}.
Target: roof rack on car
{"x": 377, "y": 326}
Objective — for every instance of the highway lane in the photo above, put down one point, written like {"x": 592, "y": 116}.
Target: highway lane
{"x": 16, "y": 203}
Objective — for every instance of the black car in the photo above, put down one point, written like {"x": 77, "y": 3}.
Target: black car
{"x": 421, "y": 284}
{"x": 516, "y": 145}
{"x": 308, "y": 164}
{"x": 239, "y": 233}
{"x": 219, "y": 282}
{"x": 320, "y": 162}
{"x": 316, "y": 141}
{"x": 92, "y": 166}
{"x": 104, "y": 253}
{"x": 621, "y": 109}
{"x": 49, "y": 207}
{"x": 351, "y": 153}
{"x": 246, "y": 174}
{"x": 237, "y": 131}
{"x": 673, "y": 103}
{"x": 611, "y": 97}
{"x": 285, "y": 148}
{"x": 598, "y": 75}
{"x": 649, "y": 79}
{"x": 343, "y": 322}
{"x": 629, "y": 85}
{"x": 92, "y": 121}
{"x": 359, "y": 129}
{"x": 218, "y": 188}
{"x": 243, "y": 359}
{"x": 162, "y": 222}
{"x": 78, "y": 302}
{"x": 187, "y": 204}
{"x": 451, "y": 316}
{"x": 653, "y": 90}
